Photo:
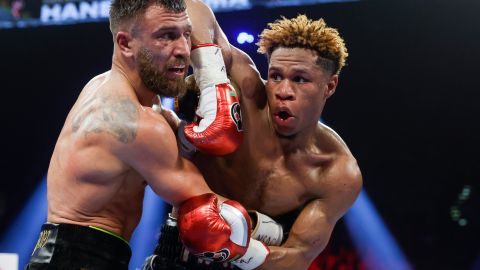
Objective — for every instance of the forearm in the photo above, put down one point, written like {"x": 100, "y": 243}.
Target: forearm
{"x": 203, "y": 21}
{"x": 307, "y": 238}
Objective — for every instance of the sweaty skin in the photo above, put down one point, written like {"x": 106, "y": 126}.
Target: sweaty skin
{"x": 113, "y": 144}
{"x": 285, "y": 163}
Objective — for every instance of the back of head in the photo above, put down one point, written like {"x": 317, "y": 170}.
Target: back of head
{"x": 301, "y": 32}
{"x": 125, "y": 11}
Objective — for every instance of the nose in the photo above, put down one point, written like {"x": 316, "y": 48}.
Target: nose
{"x": 182, "y": 47}
{"x": 285, "y": 92}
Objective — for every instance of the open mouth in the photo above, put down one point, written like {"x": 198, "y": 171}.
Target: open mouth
{"x": 284, "y": 115}
{"x": 177, "y": 70}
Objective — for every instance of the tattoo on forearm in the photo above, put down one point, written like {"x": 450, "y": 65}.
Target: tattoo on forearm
{"x": 116, "y": 116}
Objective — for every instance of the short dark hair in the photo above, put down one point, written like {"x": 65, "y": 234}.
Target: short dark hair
{"x": 124, "y": 10}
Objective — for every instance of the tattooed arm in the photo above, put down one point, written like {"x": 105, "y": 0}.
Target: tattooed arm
{"x": 142, "y": 140}
{"x": 153, "y": 152}
{"x": 109, "y": 147}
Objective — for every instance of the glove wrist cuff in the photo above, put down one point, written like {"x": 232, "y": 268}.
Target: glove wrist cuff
{"x": 208, "y": 66}
{"x": 266, "y": 229}
{"x": 255, "y": 256}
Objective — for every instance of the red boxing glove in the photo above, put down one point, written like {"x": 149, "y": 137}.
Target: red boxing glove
{"x": 219, "y": 128}
{"x": 212, "y": 233}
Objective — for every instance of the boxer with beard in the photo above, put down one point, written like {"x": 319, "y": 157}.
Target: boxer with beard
{"x": 290, "y": 166}
{"x": 113, "y": 144}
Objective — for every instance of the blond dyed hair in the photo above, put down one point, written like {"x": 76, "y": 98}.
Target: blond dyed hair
{"x": 305, "y": 33}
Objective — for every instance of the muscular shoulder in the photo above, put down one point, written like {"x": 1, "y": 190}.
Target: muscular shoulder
{"x": 155, "y": 141}
{"x": 329, "y": 141}
{"x": 342, "y": 179}
{"x": 118, "y": 123}
{"x": 95, "y": 126}
{"x": 106, "y": 117}
{"x": 153, "y": 129}
{"x": 343, "y": 162}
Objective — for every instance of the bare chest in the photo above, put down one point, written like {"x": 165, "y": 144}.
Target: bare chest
{"x": 279, "y": 190}
{"x": 267, "y": 186}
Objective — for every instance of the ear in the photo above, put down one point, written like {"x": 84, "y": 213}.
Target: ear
{"x": 331, "y": 86}
{"x": 124, "y": 43}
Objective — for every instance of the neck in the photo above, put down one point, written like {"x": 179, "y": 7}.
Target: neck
{"x": 129, "y": 72}
{"x": 300, "y": 142}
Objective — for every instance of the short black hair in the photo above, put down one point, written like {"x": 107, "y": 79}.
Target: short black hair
{"x": 124, "y": 10}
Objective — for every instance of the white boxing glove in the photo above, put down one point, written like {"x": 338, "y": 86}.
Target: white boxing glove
{"x": 266, "y": 232}
{"x": 255, "y": 256}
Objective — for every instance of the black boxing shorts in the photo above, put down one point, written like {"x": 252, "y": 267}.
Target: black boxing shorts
{"x": 72, "y": 247}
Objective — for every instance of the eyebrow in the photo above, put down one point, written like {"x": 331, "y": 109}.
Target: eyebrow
{"x": 301, "y": 70}
{"x": 275, "y": 68}
{"x": 294, "y": 69}
{"x": 173, "y": 28}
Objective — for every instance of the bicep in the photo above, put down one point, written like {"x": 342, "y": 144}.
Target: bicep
{"x": 244, "y": 72}
{"x": 307, "y": 238}
{"x": 154, "y": 155}
{"x": 177, "y": 183}
{"x": 311, "y": 230}
{"x": 314, "y": 225}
